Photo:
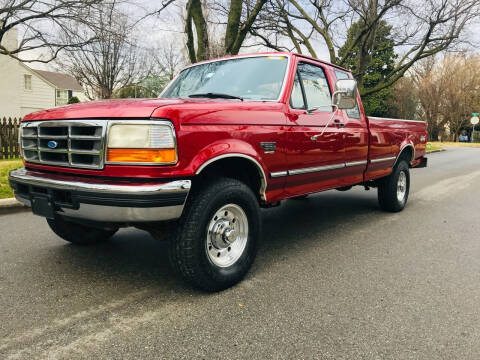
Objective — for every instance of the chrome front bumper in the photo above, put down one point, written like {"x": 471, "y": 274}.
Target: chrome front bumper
{"x": 99, "y": 200}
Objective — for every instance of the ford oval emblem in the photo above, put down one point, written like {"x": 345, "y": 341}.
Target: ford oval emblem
{"x": 52, "y": 144}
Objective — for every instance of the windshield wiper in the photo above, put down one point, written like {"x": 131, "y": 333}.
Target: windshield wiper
{"x": 215, "y": 96}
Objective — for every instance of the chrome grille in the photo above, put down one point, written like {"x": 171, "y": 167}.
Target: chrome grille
{"x": 71, "y": 143}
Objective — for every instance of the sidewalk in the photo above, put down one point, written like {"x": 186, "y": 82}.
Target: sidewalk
{"x": 11, "y": 205}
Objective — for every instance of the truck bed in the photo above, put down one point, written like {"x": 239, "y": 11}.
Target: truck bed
{"x": 388, "y": 137}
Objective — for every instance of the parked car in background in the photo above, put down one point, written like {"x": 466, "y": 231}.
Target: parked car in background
{"x": 226, "y": 138}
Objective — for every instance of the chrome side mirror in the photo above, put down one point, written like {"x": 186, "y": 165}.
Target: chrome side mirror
{"x": 345, "y": 95}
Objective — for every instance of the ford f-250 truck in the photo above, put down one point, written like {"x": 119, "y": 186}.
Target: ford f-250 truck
{"x": 226, "y": 138}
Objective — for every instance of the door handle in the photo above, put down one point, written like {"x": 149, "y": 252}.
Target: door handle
{"x": 338, "y": 122}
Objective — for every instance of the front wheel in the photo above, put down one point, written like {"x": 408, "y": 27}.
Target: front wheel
{"x": 394, "y": 189}
{"x": 217, "y": 237}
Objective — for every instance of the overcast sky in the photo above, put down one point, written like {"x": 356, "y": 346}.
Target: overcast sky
{"x": 168, "y": 27}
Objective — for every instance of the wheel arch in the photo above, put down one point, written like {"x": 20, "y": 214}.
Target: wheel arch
{"x": 254, "y": 165}
{"x": 408, "y": 151}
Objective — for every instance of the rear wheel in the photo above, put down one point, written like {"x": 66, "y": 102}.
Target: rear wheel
{"x": 393, "y": 190}
{"x": 217, "y": 237}
{"x": 79, "y": 234}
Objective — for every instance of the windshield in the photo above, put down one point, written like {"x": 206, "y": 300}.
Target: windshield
{"x": 252, "y": 78}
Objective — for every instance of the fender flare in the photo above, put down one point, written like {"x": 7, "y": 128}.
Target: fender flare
{"x": 263, "y": 178}
{"x": 402, "y": 149}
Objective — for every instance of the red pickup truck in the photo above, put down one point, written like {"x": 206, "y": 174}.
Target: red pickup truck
{"x": 226, "y": 138}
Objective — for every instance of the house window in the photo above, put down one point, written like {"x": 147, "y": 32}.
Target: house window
{"x": 62, "y": 97}
{"x": 27, "y": 82}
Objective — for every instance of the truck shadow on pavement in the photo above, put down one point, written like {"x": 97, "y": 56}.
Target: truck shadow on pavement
{"x": 133, "y": 256}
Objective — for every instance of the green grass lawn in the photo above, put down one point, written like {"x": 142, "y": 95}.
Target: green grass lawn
{"x": 433, "y": 147}
{"x": 449, "y": 143}
{"x": 5, "y": 167}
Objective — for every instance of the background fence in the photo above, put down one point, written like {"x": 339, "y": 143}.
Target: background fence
{"x": 9, "y": 148}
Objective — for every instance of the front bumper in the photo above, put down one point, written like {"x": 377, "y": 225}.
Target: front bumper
{"x": 99, "y": 200}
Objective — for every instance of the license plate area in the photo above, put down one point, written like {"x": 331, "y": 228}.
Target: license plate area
{"x": 57, "y": 198}
{"x": 42, "y": 206}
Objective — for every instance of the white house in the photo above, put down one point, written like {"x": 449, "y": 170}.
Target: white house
{"x": 24, "y": 90}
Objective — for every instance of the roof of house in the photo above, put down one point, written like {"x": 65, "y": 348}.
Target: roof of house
{"x": 59, "y": 80}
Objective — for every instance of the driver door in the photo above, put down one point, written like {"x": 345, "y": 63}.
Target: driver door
{"x": 315, "y": 139}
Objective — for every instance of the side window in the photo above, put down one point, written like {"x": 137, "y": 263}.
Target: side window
{"x": 296, "y": 99}
{"x": 355, "y": 112}
{"x": 315, "y": 84}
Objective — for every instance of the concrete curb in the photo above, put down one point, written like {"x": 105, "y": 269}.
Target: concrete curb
{"x": 435, "y": 151}
{"x": 11, "y": 205}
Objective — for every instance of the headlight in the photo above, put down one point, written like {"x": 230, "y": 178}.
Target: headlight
{"x": 142, "y": 143}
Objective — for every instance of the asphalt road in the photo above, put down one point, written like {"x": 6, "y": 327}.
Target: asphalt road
{"x": 335, "y": 278}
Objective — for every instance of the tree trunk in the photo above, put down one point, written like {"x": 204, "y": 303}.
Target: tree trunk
{"x": 233, "y": 24}
{"x": 245, "y": 27}
{"x": 195, "y": 14}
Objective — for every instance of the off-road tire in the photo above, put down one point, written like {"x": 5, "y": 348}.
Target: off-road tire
{"x": 387, "y": 188}
{"x": 187, "y": 249}
{"x": 79, "y": 234}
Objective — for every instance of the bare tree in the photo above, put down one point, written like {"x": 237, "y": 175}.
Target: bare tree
{"x": 42, "y": 25}
{"x": 113, "y": 60}
{"x": 240, "y": 17}
{"x": 448, "y": 91}
{"x": 430, "y": 90}
{"x": 168, "y": 60}
{"x": 461, "y": 92}
{"x": 404, "y": 103}
{"x": 420, "y": 29}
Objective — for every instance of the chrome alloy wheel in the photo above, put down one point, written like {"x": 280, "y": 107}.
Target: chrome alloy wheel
{"x": 401, "y": 186}
{"x": 227, "y": 235}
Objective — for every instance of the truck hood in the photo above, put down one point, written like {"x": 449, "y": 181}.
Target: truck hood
{"x": 108, "y": 109}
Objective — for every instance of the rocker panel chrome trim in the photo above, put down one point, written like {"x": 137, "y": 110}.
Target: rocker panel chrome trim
{"x": 316, "y": 169}
{"x": 278, "y": 174}
{"x": 356, "y": 163}
{"x": 375, "y": 161}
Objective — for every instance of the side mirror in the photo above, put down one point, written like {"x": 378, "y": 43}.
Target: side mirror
{"x": 345, "y": 95}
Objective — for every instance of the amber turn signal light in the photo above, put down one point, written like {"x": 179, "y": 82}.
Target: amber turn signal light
{"x": 141, "y": 155}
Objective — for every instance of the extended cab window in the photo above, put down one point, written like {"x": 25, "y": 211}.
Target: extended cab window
{"x": 251, "y": 78}
{"x": 315, "y": 85}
